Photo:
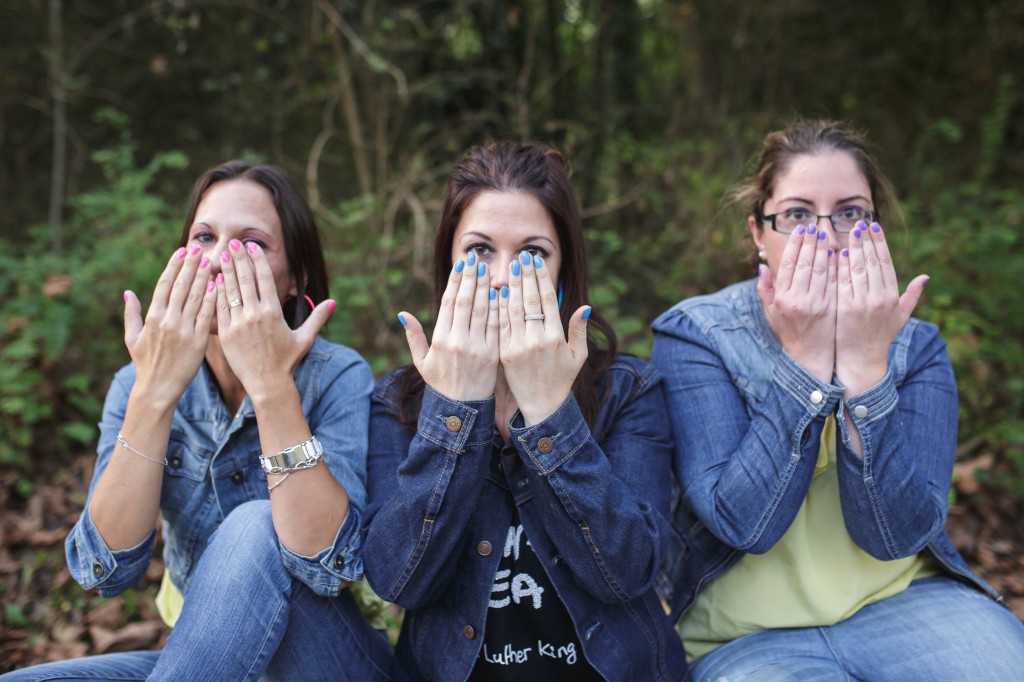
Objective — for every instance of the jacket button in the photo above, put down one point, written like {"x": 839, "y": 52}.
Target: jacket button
{"x": 339, "y": 561}
{"x": 469, "y": 632}
{"x": 545, "y": 445}
{"x": 860, "y": 411}
{"x": 97, "y": 570}
{"x": 816, "y": 397}
{"x": 453, "y": 423}
{"x": 238, "y": 477}
{"x": 484, "y": 548}
{"x": 174, "y": 461}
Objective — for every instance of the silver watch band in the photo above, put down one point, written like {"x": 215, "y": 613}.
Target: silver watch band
{"x": 302, "y": 456}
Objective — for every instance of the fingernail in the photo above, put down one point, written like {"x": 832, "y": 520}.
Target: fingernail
{"x": 459, "y": 265}
{"x": 925, "y": 282}
{"x": 180, "y": 253}
{"x": 759, "y": 269}
{"x": 195, "y": 250}
{"x": 471, "y": 259}
{"x": 492, "y": 294}
{"x": 515, "y": 268}
{"x": 253, "y": 247}
{"x": 331, "y": 305}
{"x": 126, "y": 297}
{"x": 811, "y": 229}
{"x": 525, "y": 257}
{"x": 799, "y": 229}
{"x": 538, "y": 262}
{"x": 830, "y": 253}
{"x": 856, "y": 234}
{"x": 203, "y": 263}
{"x": 876, "y": 228}
{"x": 235, "y": 244}
{"x": 822, "y": 235}
{"x": 210, "y": 286}
{"x": 845, "y": 253}
{"x": 586, "y": 313}
{"x": 401, "y": 318}
{"x": 861, "y": 225}
{"x": 481, "y": 270}
{"x": 220, "y": 278}
{"x": 504, "y": 292}
{"x": 224, "y": 256}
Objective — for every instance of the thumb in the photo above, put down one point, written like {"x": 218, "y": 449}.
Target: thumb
{"x": 308, "y": 330}
{"x": 578, "y": 334}
{"x": 414, "y": 335}
{"x": 765, "y": 285}
{"x": 132, "y": 318}
{"x": 910, "y": 297}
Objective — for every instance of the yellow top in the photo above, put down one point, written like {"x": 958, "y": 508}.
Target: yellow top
{"x": 815, "y": 575}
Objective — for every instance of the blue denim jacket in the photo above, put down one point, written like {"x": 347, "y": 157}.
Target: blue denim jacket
{"x": 212, "y": 467}
{"x": 748, "y": 421}
{"x": 594, "y": 506}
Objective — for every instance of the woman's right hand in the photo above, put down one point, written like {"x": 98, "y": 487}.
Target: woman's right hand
{"x": 461, "y": 361}
{"x": 168, "y": 349}
{"x": 800, "y": 301}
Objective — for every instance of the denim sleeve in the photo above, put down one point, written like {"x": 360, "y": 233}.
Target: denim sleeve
{"x": 744, "y": 464}
{"x": 339, "y": 419}
{"x": 896, "y": 497}
{"x": 412, "y": 536}
{"x": 91, "y": 562}
{"x": 605, "y": 506}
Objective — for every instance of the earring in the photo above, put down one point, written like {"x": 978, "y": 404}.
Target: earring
{"x": 761, "y": 254}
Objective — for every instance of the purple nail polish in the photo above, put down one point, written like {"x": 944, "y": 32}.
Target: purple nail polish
{"x": 822, "y": 235}
{"x": 830, "y": 253}
{"x": 925, "y": 282}
{"x": 856, "y": 234}
{"x": 845, "y": 253}
{"x": 876, "y": 228}
{"x": 799, "y": 229}
{"x": 811, "y": 229}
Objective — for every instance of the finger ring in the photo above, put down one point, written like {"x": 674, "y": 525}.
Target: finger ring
{"x": 534, "y": 317}
{"x": 235, "y": 303}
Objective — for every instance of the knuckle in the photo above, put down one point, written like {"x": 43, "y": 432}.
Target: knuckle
{"x": 550, "y": 297}
{"x": 463, "y": 302}
{"x": 531, "y": 300}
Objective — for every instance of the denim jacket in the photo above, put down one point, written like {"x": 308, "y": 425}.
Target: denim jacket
{"x": 213, "y": 466}
{"x": 748, "y": 421}
{"x": 594, "y": 505}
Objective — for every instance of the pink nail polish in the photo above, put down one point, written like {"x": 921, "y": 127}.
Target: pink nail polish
{"x": 220, "y": 278}
{"x": 235, "y": 244}
{"x": 180, "y": 253}
{"x": 331, "y": 305}
{"x": 126, "y": 297}
{"x": 203, "y": 263}
{"x": 224, "y": 256}
{"x": 195, "y": 250}
{"x": 210, "y": 286}
{"x": 253, "y": 248}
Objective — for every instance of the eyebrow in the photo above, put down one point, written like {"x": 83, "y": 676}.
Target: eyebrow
{"x": 483, "y": 237}
{"x": 840, "y": 201}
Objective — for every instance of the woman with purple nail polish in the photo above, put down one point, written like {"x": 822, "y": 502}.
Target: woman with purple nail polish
{"x": 815, "y": 424}
{"x": 242, "y": 434}
{"x": 520, "y": 469}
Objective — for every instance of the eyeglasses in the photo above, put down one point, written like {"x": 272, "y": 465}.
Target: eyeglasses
{"x": 843, "y": 221}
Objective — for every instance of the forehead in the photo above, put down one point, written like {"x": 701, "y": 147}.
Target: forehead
{"x": 506, "y": 215}
{"x": 822, "y": 177}
{"x": 238, "y": 203}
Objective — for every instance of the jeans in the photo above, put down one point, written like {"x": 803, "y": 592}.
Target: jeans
{"x": 246, "y": 617}
{"x": 936, "y": 629}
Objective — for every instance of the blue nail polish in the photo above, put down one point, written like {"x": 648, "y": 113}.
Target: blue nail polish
{"x": 586, "y": 313}
{"x": 471, "y": 258}
{"x": 876, "y": 228}
{"x": 799, "y": 229}
{"x": 458, "y": 266}
{"x": 811, "y": 229}
{"x": 822, "y": 235}
{"x": 401, "y": 318}
{"x": 538, "y": 262}
{"x": 504, "y": 292}
{"x": 525, "y": 257}
{"x": 515, "y": 268}
{"x": 481, "y": 270}
{"x": 856, "y": 234}
{"x": 492, "y": 294}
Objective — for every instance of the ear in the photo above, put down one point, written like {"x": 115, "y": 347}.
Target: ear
{"x": 756, "y": 231}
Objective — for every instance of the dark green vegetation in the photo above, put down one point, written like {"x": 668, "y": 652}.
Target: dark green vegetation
{"x": 108, "y": 110}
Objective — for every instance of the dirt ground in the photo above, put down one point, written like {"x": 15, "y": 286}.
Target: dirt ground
{"x": 47, "y": 616}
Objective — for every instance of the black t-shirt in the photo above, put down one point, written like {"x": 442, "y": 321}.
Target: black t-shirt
{"x": 529, "y": 634}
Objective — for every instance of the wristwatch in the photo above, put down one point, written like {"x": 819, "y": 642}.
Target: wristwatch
{"x": 302, "y": 456}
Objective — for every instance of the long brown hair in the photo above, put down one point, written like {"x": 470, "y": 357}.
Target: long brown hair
{"x": 543, "y": 173}
{"x": 298, "y": 227}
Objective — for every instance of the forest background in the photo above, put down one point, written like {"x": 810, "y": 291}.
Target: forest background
{"x": 109, "y": 110}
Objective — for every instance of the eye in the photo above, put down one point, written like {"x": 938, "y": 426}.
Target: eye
{"x": 852, "y": 213}
{"x": 203, "y": 238}
{"x": 798, "y": 215}
{"x": 480, "y": 249}
{"x": 257, "y": 242}
{"x": 535, "y": 250}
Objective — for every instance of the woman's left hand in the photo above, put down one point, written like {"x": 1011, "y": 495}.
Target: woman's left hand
{"x": 871, "y": 310}
{"x": 540, "y": 366}
{"x": 257, "y": 342}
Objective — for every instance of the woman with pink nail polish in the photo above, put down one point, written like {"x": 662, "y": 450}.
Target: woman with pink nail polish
{"x": 815, "y": 424}
{"x": 243, "y": 434}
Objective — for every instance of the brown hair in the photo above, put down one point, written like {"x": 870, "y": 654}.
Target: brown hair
{"x": 815, "y": 137}
{"x": 298, "y": 227}
{"x": 543, "y": 173}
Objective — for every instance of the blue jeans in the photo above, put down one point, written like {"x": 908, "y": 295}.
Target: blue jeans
{"x": 936, "y": 629}
{"x": 246, "y": 617}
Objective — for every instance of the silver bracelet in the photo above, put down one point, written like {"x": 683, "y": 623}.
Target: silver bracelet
{"x": 279, "y": 482}
{"x": 154, "y": 460}
{"x": 305, "y": 455}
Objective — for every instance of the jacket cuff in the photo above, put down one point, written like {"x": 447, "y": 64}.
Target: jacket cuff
{"x": 342, "y": 562}
{"x": 814, "y": 395}
{"x": 550, "y": 443}
{"x": 95, "y": 566}
{"x": 869, "y": 406}
{"x": 455, "y": 425}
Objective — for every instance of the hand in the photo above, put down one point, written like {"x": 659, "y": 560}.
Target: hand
{"x": 168, "y": 349}
{"x": 461, "y": 361}
{"x": 540, "y": 366}
{"x": 257, "y": 342}
{"x": 870, "y": 309}
{"x": 800, "y": 301}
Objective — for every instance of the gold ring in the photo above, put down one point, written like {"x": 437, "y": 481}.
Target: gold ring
{"x": 235, "y": 303}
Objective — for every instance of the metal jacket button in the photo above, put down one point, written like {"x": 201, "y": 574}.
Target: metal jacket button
{"x": 469, "y": 632}
{"x": 339, "y": 561}
{"x": 545, "y": 445}
{"x": 453, "y": 423}
{"x": 238, "y": 477}
{"x": 97, "y": 570}
{"x": 484, "y": 548}
{"x": 816, "y": 397}
{"x": 174, "y": 461}
{"x": 860, "y": 411}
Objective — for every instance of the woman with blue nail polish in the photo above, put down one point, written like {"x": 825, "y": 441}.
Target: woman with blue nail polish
{"x": 815, "y": 424}
{"x": 520, "y": 469}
